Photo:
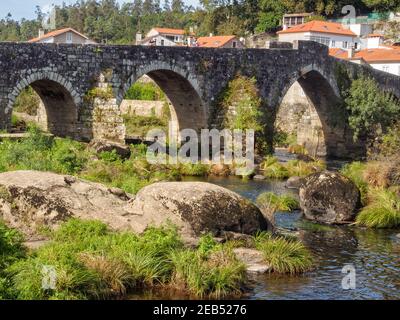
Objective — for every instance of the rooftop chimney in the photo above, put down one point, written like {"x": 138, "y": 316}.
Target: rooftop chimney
{"x": 211, "y": 35}
{"x": 350, "y": 53}
{"x": 41, "y": 33}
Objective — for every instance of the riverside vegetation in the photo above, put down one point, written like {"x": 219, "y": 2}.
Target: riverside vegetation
{"x": 93, "y": 262}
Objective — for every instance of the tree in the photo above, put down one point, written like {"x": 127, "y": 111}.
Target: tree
{"x": 370, "y": 108}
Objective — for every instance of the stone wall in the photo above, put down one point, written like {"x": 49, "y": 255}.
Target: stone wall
{"x": 142, "y": 108}
{"x": 297, "y": 116}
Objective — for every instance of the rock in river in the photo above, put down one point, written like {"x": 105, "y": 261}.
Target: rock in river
{"x": 31, "y": 199}
{"x": 329, "y": 197}
{"x": 197, "y": 207}
{"x": 294, "y": 182}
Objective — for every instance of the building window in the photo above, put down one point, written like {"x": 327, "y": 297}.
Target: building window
{"x": 333, "y": 45}
{"x": 323, "y": 40}
{"x": 345, "y": 44}
{"x": 69, "y": 37}
{"x": 162, "y": 42}
{"x": 234, "y": 44}
{"x": 355, "y": 45}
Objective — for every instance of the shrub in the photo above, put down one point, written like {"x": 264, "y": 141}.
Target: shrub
{"x": 27, "y": 102}
{"x": 11, "y": 251}
{"x": 370, "y": 108}
{"x": 190, "y": 169}
{"x": 383, "y": 210}
{"x": 145, "y": 91}
{"x": 284, "y": 255}
{"x": 93, "y": 262}
{"x": 355, "y": 172}
{"x": 242, "y": 94}
{"x": 141, "y": 125}
{"x": 297, "y": 149}
{"x": 301, "y": 168}
{"x": 275, "y": 170}
{"x": 278, "y": 202}
{"x": 218, "y": 275}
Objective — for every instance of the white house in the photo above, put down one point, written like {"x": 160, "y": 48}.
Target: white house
{"x": 382, "y": 58}
{"x": 163, "y": 37}
{"x": 331, "y": 34}
{"x": 66, "y": 35}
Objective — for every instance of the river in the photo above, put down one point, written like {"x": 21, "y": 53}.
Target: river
{"x": 375, "y": 254}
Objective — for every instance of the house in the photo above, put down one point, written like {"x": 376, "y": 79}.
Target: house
{"x": 383, "y": 58}
{"x": 331, "y": 34}
{"x": 220, "y": 42}
{"x": 163, "y": 37}
{"x": 66, "y": 35}
{"x": 294, "y": 19}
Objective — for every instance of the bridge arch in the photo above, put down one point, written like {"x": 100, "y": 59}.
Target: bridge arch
{"x": 181, "y": 88}
{"x": 321, "y": 90}
{"x": 58, "y": 99}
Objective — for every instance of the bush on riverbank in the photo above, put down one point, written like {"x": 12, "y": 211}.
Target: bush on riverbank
{"x": 294, "y": 168}
{"x": 284, "y": 255}
{"x": 145, "y": 91}
{"x": 382, "y": 211}
{"x": 276, "y": 202}
{"x": 11, "y": 250}
{"x": 44, "y": 153}
{"x": 93, "y": 262}
{"x": 375, "y": 180}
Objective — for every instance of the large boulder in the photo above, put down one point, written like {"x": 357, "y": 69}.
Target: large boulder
{"x": 30, "y": 200}
{"x": 197, "y": 208}
{"x": 329, "y": 197}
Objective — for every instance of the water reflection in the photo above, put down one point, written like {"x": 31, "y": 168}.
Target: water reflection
{"x": 374, "y": 253}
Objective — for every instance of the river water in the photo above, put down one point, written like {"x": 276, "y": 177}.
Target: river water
{"x": 375, "y": 254}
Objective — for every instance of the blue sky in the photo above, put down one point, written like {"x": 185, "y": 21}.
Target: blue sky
{"x": 26, "y": 8}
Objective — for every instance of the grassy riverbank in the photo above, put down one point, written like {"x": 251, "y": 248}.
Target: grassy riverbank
{"x": 89, "y": 261}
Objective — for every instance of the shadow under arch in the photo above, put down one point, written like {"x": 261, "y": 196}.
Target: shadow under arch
{"x": 323, "y": 95}
{"x": 182, "y": 90}
{"x": 60, "y": 104}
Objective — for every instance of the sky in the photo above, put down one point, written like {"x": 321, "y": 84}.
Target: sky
{"x": 26, "y": 8}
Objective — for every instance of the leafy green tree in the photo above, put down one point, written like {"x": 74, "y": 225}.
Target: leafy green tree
{"x": 371, "y": 109}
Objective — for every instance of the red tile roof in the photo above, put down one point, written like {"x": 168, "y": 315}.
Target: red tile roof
{"x": 214, "y": 42}
{"x": 170, "y": 31}
{"x": 321, "y": 27}
{"x": 57, "y": 33}
{"x": 369, "y": 55}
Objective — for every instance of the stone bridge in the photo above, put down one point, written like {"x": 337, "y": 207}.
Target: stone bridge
{"x": 82, "y": 87}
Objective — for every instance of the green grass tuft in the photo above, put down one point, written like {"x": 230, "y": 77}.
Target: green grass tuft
{"x": 284, "y": 255}
{"x": 383, "y": 211}
{"x": 279, "y": 202}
